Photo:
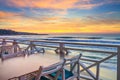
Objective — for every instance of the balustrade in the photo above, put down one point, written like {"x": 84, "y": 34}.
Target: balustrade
{"x": 63, "y": 50}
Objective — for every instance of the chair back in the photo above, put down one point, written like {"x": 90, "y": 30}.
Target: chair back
{"x": 74, "y": 64}
{"x": 74, "y": 60}
{"x": 58, "y": 67}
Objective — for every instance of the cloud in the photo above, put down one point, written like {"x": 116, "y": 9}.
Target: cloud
{"x": 48, "y": 8}
{"x": 58, "y": 4}
{"x": 112, "y": 1}
{"x": 61, "y": 25}
{"x": 96, "y": 20}
{"x": 6, "y": 14}
{"x": 49, "y": 4}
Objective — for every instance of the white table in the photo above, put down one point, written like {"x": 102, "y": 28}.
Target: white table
{"x": 21, "y": 65}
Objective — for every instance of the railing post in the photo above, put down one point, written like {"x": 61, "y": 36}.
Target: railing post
{"x": 3, "y": 42}
{"x": 31, "y": 47}
{"x": 118, "y": 63}
{"x": 15, "y": 46}
{"x": 61, "y": 50}
{"x": 97, "y": 71}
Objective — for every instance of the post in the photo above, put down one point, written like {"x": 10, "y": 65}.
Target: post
{"x": 118, "y": 63}
{"x": 97, "y": 71}
{"x": 31, "y": 47}
{"x": 61, "y": 50}
{"x": 3, "y": 42}
{"x": 15, "y": 46}
{"x": 78, "y": 70}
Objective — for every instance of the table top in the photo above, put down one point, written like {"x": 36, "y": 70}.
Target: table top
{"x": 21, "y": 65}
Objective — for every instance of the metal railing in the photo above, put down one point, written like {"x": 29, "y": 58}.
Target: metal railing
{"x": 62, "y": 48}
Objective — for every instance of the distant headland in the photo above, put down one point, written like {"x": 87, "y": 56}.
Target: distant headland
{"x": 11, "y": 32}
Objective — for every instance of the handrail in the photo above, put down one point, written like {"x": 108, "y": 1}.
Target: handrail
{"x": 58, "y": 42}
{"x": 75, "y": 43}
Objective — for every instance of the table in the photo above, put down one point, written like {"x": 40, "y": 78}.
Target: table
{"x": 21, "y": 65}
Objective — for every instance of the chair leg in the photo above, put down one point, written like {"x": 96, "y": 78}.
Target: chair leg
{"x": 63, "y": 74}
{"x": 78, "y": 71}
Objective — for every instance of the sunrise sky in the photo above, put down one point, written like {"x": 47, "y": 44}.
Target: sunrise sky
{"x": 61, "y": 16}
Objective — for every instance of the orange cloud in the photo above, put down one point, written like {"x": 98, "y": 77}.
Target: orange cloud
{"x": 54, "y": 4}
{"x": 6, "y": 14}
{"x": 75, "y": 26}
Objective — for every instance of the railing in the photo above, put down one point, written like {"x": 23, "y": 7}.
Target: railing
{"x": 62, "y": 48}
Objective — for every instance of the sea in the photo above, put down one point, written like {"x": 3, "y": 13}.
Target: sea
{"x": 113, "y": 39}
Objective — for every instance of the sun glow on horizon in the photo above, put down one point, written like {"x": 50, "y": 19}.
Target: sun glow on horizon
{"x": 64, "y": 16}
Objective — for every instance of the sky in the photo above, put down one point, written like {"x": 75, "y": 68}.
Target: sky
{"x": 61, "y": 16}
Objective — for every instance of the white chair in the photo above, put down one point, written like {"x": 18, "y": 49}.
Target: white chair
{"x": 43, "y": 72}
{"x": 55, "y": 71}
{"x": 70, "y": 74}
